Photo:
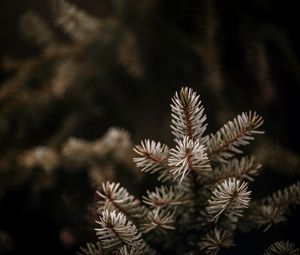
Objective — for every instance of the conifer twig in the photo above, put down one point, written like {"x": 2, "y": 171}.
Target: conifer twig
{"x": 188, "y": 115}
{"x": 115, "y": 230}
{"x": 189, "y": 155}
{"x": 224, "y": 144}
{"x": 230, "y": 197}
{"x": 282, "y": 248}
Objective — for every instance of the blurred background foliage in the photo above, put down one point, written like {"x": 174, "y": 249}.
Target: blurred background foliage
{"x": 71, "y": 70}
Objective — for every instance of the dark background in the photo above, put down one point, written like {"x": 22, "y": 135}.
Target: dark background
{"x": 194, "y": 43}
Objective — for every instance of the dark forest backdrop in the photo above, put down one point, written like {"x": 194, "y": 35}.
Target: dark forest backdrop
{"x": 74, "y": 82}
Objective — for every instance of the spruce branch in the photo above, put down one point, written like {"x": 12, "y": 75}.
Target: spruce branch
{"x": 244, "y": 169}
{"x": 118, "y": 198}
{"x": 284, "y": 198}
{"x": 153, "y": 158}
{"x": 116, "y": 230}
{"x": 200, "y": 202}
{"x": 166, "y": 197}
{"x": 230, "y": 197}
{"x": 216, "y": 239}
{"x": 125, "y": 250}
{"x": 188, "y": 115}
{"x": 224, "y": 144}
{"x": 189, "y": 155}
{"x": 266, "y": 216}
{"x": 160, "y": 220}
{"x": 282, "y": 248}
{"x": 272, "y": 210}
{"x": 91, "y": 249}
